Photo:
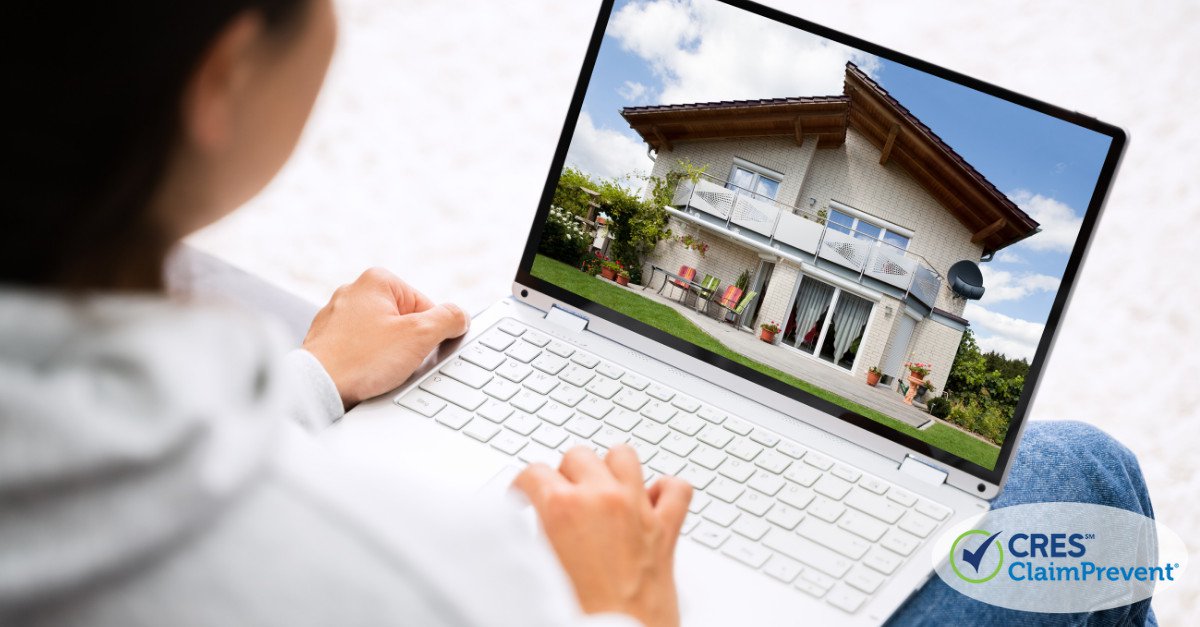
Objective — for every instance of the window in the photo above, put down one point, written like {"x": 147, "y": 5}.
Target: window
{"x": 861, "y": 229}
{"x": 763, "y": 182}
{"x": 827, "y": 322}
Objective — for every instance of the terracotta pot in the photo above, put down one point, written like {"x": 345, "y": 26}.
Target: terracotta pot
{"x": 767, "y": 336}
{"x": 608, "y": 273}
{"x": 872, "y": 378}
{"x": 914, "y": 382}
{"x": 622, "y": 280}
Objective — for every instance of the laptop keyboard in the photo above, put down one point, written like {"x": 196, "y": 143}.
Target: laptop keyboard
{"x": 794, "y": 514}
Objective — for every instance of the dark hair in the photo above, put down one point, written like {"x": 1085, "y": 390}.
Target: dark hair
{"x": 96, "y": 90}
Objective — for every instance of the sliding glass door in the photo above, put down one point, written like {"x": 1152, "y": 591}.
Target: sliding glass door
{"x": 827, "y": 322}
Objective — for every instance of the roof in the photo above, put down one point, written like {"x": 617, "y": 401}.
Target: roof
{"x": 994, "y": 220}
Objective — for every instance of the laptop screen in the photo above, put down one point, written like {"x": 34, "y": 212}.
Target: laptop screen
{"x": 883, "y": 239}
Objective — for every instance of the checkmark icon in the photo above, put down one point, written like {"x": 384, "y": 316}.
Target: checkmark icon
{"x": 975, "y": 557}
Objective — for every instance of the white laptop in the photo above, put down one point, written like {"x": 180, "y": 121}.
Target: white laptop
{"x": 825, "y": 303}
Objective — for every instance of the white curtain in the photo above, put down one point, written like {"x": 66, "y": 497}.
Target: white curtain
{"x": 811, "y": 303}
{"x": 849, "y": 319}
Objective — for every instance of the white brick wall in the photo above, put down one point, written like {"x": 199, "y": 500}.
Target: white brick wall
{"x": 935, "y": 343}
{"x": 724, "y": 259}
{"x": 778, "y": 298}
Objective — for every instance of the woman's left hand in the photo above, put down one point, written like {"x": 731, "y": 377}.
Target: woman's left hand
{"x": 375, "y": 332}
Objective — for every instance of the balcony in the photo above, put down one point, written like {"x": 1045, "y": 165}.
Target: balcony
{"x": 806, "y": 237}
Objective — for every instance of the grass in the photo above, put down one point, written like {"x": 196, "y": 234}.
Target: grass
{"x": 667, "y": 319}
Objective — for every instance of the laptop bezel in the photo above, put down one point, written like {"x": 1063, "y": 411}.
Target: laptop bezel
{"x": 544, "y": 294}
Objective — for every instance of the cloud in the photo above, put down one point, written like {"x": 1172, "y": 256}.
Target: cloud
{"x": 632, "y": 91}
{"x": 1006, "y": 286}
{"x": 1060, "y": 223}
{"x": 704, "y": 51}
{"x": 1008, "y": 256}
{"x": 1009, "y": 336}
{"x": 606, "y": 153}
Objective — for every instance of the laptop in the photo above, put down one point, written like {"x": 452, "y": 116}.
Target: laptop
{"x": 816, "y": 278}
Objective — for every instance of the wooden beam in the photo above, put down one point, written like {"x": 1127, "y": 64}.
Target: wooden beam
{"x": 887, "y": 145}
{"x": 799, "y": 133}
{"x": 662, "y": 140}
{"x": 988, "y": 231}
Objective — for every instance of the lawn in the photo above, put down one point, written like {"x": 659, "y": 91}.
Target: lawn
{"x": 666, "y": 319}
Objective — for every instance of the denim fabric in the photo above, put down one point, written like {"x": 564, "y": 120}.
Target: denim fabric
{"x": 1055, "y": 462}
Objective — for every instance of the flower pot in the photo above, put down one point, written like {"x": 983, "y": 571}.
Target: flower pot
{"x": 872, "y": 378}
{"x": 914, "y": 382}
{"x": 608, "y": 273}
{"x": 767, "y": 336}
{"x": 622, "y": 280}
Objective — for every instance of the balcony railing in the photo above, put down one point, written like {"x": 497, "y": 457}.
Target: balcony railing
{"x": 810, "y": 233}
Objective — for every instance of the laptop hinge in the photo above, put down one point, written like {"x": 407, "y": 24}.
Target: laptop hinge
{"x": 923, "y": 471}
{"x": 567, "y": 320}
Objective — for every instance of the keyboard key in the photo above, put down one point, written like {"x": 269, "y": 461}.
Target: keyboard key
{"x": 755, "y": 503}
{"x": 715, "y": 436}
{"x": 511, "y": 327}
{"x": 573, "y": 441}
{"x": 679, "y": 444}
{"x": 900, "y": 496}
{"x": 609, "y": 370}
{"x": 623, "y": 420}
{"x": 737, "y": 426}
{"x": 743, "y": 449}
{"x": 765, "y": 438}
{"x": 496, "y": 341}
{"x": 791, "y": 449}
{"x": 826, "y": 509}
{"x": 659, "y": 412}
{"x": 584, "y": 359}
{"x": 720, "y": 513}
{"x": 555, "y": 414}
{"x": 560, "y": 349}
{"x": 864, "y": 579}
{"x": 576, "y": 375}
{"x": 797, "y": 496}
{"x": 450, "y": 390}
{"x": 745, "y": 552}
{"x": 568, "y": 395}
{"x": 751, "y": 527}
{"x": 807, "y": 552}
{"x": 482, "y": 356}
{"x": 772, "y": 462}
{"x": 766, "y": 483}
{"x": 667, "y": 463}
{"x": 782, "y": 568}
{"x": 514, "y": 370}
{"x": 873, "y": 484}
{"x": 711, "y": 415}
{"x": 634, "y": 381}
{"x": 609, "y": 437}
{"x": 508, "y": 442}
{"x": 687, "y": 424}
{"x": 501, "y": 389}
{"x": 631, "y": 399}
{"x": 810, "y": 588}
{"x": 689, "y": 523}
{"x": 661, "y": 393}
{"x": 538, "y": 454}
{"x": 453, "y": 417}
{"x": 528, "y": 401}
{"x": 604, "y": 388}
{"x": 818, "y": 460}
{"x": 709, "y": 535}
{"x": 707, "y": 457}
{"x": 843, "y": 598}
{"x": 845, "y": 472}
{"x": 651, "y": 432}
{"x": 495, "y": 411}
{"x": 801, "y": 474}
{"x": 549, "y": 364}
{"x": 832, "y": 487}
{"x": 699, "y": 502}
{"x": 523, "y": 352}
{"x": 862, "y": 525}
{"x": 644, "y": 449}
{"x": 697, "y": 476}
{"x": 817, "y": 578}
{"x": 481, "y": 430}
{"x": 537, "y": 339}
{"x": 550, "y": 436}
{"x": 467, "y": 373}
{"x": 725, "y": 489}
{"x": 933, "y": 510}
{"x": 785, "y": 516}
{"x": 899, "y": 542}
{"x": 421, "y": 402}
{"x": 883, "y": 561}
{"x": 875, "y": 505}
{"x": 686, "y": 404}
{"x": 913, "y": 522}
{"x": 594, "y": 407}
{"x": 833, "y": 538}
{"x": 522, "y": 423}
{"x": 583, "y": 426}
{"x": 737, "y": 470}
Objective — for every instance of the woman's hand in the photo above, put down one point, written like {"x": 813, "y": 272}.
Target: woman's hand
{"x": 615, "y": 539}
{"x": 375, "y": 332}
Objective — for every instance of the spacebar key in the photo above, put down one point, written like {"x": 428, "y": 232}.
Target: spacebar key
{"x": 807, "y": 551}
{"x": 444, "y": 387}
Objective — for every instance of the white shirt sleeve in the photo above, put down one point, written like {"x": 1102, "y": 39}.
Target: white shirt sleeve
{"x": 315, "y": 401}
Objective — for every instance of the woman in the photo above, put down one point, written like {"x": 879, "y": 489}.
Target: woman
{"x": 156, "y": 459}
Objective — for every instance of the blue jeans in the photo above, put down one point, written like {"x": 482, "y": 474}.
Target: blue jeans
{"x": 1055, "y": 462}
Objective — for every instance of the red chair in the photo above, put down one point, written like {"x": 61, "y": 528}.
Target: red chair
{"x": 730, "y": 298}
{"x": 686, "y": 273}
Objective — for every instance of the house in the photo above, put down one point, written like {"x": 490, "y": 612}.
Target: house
{"x": 847, "y": 212}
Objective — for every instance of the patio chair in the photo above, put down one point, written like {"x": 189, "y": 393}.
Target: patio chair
{"x": 708, "y": 287}
{"x": 687, "y": 273}
{"x": 729, "y": 300}
{"x": 740, "y": 310}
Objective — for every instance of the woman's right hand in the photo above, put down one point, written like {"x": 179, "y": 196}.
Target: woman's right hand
{"x": 615, "y": 539}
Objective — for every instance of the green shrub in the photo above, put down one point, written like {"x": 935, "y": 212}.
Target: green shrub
{"x": 939, "y": 407}
{"x": 564, "y": 238}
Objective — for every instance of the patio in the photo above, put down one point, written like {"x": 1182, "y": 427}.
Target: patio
{"x": 793, "y": 362}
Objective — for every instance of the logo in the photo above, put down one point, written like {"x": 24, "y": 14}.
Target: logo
{"x": 973, "y": 557}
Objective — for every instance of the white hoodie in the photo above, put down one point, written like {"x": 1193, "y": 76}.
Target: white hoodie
{"x": 157, "y": 468}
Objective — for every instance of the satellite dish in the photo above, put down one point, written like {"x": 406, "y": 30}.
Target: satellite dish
{"x": 966, "y": 280}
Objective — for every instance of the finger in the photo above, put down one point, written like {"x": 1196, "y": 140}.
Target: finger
{"x": 581, "y": 465}
{"x": 408, "y": 299}
{"x": 670, "y": 497}
{"x": 435, "y": 325}
{"x": 623, "y": 462}
{"x": 535, "y": 481}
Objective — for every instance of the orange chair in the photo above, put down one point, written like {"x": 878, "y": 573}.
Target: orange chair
{"x": 730, "y": 298}
{"x": 687, "y": 273}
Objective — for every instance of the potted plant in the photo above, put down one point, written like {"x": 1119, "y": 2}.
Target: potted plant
{"x": 917, "y": 372}
{"x": 923, "y": 389}
{"x": 769, "y": 331}
{"x": 623, "y": 277}
{"x": 609, "y": 269}
{"x": 873, "y": 375}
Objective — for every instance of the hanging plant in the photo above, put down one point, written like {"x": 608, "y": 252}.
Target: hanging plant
{"x": 692, "y": 243}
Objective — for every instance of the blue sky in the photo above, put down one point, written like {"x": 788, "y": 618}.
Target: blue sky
{"x": 674, "y": 51}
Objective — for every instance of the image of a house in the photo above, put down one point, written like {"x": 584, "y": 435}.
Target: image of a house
{"x": 845, "y": 211}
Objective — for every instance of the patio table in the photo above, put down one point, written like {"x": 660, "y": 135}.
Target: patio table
{"x": 693, "y": 286}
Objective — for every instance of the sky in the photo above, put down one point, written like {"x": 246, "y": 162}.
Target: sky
{"x": 683, "y": 51}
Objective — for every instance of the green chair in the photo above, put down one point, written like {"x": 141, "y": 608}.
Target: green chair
{"x": 708, "y": 288}
{"x": 742, "y": 306}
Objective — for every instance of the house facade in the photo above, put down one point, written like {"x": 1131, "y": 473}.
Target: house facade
{"x": 846, "y": 212}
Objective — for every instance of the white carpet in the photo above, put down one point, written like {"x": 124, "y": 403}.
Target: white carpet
{"x": 432, "y": 140}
